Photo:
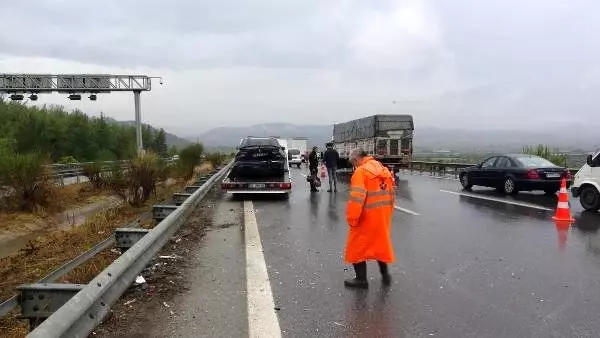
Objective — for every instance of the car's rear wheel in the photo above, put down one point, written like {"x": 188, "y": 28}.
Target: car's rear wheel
{"x": 510, "y": 186}
{"x": 465, "y": 181}
{"x": 589, "y": 198}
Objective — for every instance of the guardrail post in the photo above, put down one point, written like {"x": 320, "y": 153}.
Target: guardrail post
{"x": 40, "y": 301}
{"x": 125, "y": 238}
{"x": 160, "y": 212}
{"x": 179, "y": 198}
{"x": 190, "y": 189}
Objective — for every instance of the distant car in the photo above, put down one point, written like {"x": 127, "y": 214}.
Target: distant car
{"x": 294, "y": 157}
{"x": 516, "y": 172}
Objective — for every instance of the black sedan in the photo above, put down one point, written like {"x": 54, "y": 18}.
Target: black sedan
{"x": 513, "y": 173}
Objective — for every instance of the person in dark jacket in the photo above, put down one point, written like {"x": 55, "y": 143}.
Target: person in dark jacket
{"x": 331, "y": 157}
{"x": 313, "y": 164}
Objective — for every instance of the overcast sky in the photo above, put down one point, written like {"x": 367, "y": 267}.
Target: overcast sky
{"x": 451, "y": 63}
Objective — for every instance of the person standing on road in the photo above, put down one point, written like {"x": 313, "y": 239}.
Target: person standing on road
{"x": 313, "y": 164}
{"x": 369, "y": 214}
{"x": 331, "y": 157}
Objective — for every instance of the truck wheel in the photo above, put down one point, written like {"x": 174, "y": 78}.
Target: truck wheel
{"x": 465, "y": 180}
{"x": 589, "y": 198}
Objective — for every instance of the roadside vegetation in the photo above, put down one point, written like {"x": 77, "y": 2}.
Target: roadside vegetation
{"x": 43, "y": 255}
{"x": 68, "y": 137}
{"x": 559, "y": 158}
{"x": 543, "y": 151}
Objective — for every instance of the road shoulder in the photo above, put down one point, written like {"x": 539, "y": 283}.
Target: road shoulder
{"x": 193, "y": 289}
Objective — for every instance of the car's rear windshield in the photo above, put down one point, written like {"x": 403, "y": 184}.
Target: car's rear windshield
{"x": 294, "y": 151}
{"x": 251, "y": 142}
{"x": 534, "y": 161}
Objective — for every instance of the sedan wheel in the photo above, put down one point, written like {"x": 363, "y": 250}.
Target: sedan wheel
{"x": 465, "y": 181}
{"x": 509, "y": 186}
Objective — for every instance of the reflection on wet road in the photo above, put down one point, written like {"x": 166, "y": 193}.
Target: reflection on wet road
{"x": 468, "y": 265}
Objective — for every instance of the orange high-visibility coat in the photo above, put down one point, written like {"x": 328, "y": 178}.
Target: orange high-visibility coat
{"x": 369, "y": 213}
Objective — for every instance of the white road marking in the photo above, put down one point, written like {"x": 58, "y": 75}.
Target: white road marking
{"x": 527, "y": 205}
{"x": 406, "y": 210}
{"x": 262, "y": 318}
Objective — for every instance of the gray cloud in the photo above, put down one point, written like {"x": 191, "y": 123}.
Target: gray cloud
{"x": 451, "y": 63}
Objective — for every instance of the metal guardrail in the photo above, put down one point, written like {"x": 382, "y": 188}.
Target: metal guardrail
{"x": 86, "y": 309}
{"x": 67, "y": 170}
{"x": 448, "y": 168}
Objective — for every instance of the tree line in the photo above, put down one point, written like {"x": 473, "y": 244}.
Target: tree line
{"x": 31, "y": 137}
{"x": 72, "y": 136}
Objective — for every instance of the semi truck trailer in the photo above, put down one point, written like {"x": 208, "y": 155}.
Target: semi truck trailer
{"x": 386, "y": 137}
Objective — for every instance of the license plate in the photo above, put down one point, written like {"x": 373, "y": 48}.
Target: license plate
{"x": 552, "y": 175}
{"x": 256, "y": 186}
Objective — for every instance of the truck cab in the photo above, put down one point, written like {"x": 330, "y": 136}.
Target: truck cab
{"x": 586, "y": 184}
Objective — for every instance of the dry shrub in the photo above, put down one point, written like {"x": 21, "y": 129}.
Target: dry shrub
{"x": 217, "y": 158}
{"x": 189, "y": 158}
{"x": 137, "y": 182}
{"x": 93, "y": 171}
{"x": 29, "y": 182}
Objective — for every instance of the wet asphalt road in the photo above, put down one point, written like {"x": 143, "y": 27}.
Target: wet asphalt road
{"x": 467, "y": 266}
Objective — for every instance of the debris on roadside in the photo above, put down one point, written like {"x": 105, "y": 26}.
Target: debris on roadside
{"x": 169, "y": 257}
{"x": 140, "y": 280}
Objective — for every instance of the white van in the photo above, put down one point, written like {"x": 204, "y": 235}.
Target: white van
{"x": 295, "y": 157}
{"x": 586, "y": 184}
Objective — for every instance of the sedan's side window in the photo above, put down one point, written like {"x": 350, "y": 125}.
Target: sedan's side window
{"x": 489, "y": 162}
{"x": 503, "y": 162}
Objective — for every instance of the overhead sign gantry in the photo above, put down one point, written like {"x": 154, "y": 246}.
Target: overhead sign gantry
{"x": 19, "y": 85}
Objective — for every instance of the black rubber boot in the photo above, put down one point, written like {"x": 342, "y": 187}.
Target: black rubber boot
{"x": 360, "y": 281}
{"x": 385, "y": 275}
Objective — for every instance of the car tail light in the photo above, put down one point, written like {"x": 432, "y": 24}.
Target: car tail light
{"x": 533, "y": 174}
{"x": 285, "y": 185}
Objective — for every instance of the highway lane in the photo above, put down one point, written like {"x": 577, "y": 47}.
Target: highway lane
{"x": 466, "y": 266}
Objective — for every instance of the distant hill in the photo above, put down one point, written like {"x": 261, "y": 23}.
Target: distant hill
{"x": 172, "y": 139}
{"x": 230, "y": 136}
{"x": 566, "y": 138}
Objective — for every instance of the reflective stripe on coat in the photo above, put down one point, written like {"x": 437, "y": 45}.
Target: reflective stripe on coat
{"x": 369, "y": 213}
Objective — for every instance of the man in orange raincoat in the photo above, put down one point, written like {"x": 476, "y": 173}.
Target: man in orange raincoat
{"x": 369, "y": 214}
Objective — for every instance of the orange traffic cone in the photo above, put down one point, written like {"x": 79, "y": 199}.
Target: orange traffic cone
{"x": 323, "y": 171}
{"x": 563, "y": 214}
